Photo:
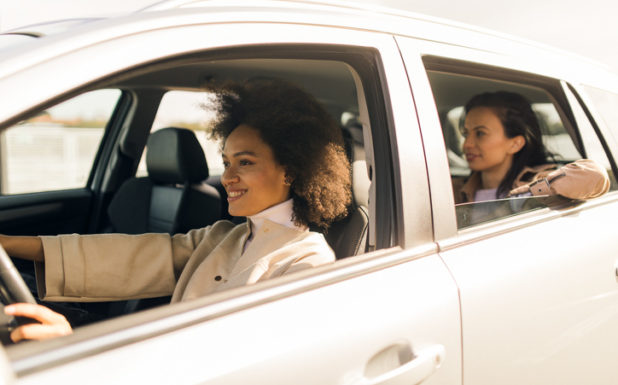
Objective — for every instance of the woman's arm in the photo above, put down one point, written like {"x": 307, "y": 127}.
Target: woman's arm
{"x": 582, "y": 179}
{"x": 51, "y": 324}
{"x": 24, "y": 247}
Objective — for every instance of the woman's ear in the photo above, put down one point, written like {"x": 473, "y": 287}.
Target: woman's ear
{"x": 288, "y": 180}
{"x": 517, "y": 143}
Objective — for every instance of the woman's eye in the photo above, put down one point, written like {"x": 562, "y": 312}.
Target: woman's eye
{"x": 480, "y": 134}
{"x": 245, "y": 162}
{"x": 226, "y": 164}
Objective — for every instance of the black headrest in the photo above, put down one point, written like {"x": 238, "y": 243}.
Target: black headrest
{"x": 174, "y": 156}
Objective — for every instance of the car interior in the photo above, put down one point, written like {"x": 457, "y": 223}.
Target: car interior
{"x": 179, "y": 189}
{"x": 453, "y": 86}
{"x": 330, "y": 81}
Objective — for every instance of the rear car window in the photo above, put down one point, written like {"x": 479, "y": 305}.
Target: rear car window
{"x": 567, "y": 136}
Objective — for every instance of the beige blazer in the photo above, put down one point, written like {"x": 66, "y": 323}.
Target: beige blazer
{"x": 108, "y": 267}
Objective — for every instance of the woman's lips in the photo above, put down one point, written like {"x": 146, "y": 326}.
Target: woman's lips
{"x": 471, "y": 157}
{"x": 235, "y": 195}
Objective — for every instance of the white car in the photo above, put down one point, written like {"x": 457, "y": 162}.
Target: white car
{"x": 423, "y": 291}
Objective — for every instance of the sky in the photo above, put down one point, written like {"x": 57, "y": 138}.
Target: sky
{"x": 587, "y": 27}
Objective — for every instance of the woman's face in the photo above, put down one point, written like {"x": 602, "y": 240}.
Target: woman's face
{"x": 486, "y": 146}
{"x": 254, "y": 181}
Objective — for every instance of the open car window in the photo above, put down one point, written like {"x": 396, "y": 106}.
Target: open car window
{"x": 567, "y": 136}
{"x": 168, "y": 96}
{"x": 346, "y": 76}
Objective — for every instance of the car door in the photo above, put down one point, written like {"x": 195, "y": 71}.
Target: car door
{"x": 387, "y": 316}
{"x": 538, "y": 288}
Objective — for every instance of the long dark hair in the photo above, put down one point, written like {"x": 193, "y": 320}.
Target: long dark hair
{"x": 518, "y": 118}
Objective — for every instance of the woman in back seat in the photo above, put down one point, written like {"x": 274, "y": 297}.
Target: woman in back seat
{"x": 285, "y": 169}
{"x": 504, "y": 149}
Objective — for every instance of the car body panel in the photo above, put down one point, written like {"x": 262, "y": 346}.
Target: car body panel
{"x": 546, "y": 312}
{"x": 436, "y": 158}
{"x": 330, "y": 346}
{"x": 537, "y": 290}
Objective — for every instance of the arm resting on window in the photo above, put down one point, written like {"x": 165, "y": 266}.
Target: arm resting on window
{"x": 582, "y": 179}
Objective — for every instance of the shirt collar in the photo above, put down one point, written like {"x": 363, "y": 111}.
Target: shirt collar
{"x": 281, "y": 213}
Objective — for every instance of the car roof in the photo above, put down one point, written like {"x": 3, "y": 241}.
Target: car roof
{"x": 50, "y": 27}
{"x": 72, "y": 34}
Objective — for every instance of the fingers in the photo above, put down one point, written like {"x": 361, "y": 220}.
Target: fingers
{"x": 40, "y": 332}
{"x": 519, "y": 190}
{"x": 52, "y": 324}
{"x": 34, "y": 311}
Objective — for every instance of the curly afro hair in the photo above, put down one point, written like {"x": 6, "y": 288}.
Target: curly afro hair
{"x": 304, "y": 139}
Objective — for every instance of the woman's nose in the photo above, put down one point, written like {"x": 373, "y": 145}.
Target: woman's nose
{"x": 229, "y": 176}
{"x": 467, "y": 143}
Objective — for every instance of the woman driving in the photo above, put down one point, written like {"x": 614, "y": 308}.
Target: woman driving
{"x": 504, "y": 149}
{"x": 285, "y": 169}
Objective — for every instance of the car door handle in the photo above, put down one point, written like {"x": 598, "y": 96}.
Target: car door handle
{"x": 399, "y": 365}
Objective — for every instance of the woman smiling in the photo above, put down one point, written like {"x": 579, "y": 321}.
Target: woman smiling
{"x": 285, "y": 169}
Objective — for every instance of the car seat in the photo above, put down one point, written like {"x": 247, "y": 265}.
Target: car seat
{"x": 172, "y": 198}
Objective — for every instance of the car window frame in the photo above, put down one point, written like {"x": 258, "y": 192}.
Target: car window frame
{"x": 444, "y": 216}
{"x": 596, "y": 123}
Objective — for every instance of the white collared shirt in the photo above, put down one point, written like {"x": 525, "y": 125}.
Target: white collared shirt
{"x": 280, "y": 213}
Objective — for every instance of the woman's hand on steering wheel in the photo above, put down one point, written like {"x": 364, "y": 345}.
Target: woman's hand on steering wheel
{"x": 51, "y": 324}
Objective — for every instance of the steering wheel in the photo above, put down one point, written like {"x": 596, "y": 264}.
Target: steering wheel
{"x": 13, "y": 289}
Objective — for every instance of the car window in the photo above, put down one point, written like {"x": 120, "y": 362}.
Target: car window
{"x": 566, "y": 139}
{"x": 184, "y": 109}
{"x": 55, "y": 149}
{"x": 469, "y": 214}
{"x": 593, "y": 148}
{"x": 605, "y": 103}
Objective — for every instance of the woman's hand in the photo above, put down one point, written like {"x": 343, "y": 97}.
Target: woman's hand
{"x": 51, "y": 325}
{"x": 520, "y": 191}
